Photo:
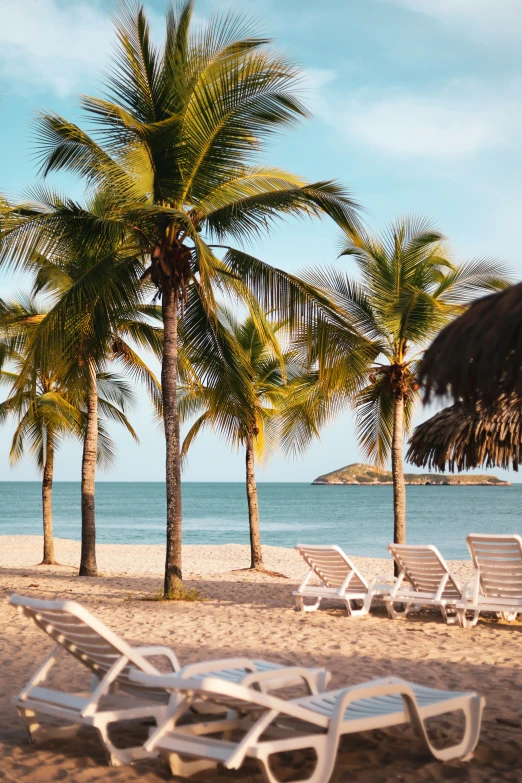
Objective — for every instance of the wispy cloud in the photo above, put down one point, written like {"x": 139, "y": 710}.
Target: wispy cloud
{"x": 458, "y": 122}
{"x": 56, "y": 45}
{"x": 488, "y": 19}
{"x": 53, "y": 46}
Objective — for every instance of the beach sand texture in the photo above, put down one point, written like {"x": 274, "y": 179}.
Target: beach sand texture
{"x": 253, "y": 615}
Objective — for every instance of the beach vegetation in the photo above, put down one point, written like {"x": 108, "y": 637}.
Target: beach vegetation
{"x": 408, "y": 287}
{"x": 174, "y": 151}
{"x": 238, "y": 394}
{"x": 48, "y": 409}
{"x": 98, "y": 320}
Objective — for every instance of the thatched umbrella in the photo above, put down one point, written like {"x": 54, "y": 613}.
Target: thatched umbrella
{"x": 465, "y": 436}
{"x": 480, "y": 353}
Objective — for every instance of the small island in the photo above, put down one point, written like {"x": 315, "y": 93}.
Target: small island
{"x": 362, "y": 474}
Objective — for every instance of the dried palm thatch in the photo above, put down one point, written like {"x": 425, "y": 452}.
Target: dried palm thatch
{"x": 465, "y": 436}
{"x": 480, "y": 352}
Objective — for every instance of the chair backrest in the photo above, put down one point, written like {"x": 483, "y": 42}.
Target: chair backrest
{"x": 424, "y": 567}
{"x": 499, "y": 563}
{"x": 87, "y": 638}
{"x": 332, "y": 565}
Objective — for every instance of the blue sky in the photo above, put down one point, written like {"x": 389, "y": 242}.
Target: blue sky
{"x": 416, "y": 109}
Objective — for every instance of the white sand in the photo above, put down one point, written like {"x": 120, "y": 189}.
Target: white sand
{"x": 253, "y": 615}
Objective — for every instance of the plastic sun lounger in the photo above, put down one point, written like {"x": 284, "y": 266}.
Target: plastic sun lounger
{"x": 340, "y": 580}
{"x": 431, "y": 582}
{"x": 259, "y": 725}
{"x": 497, "y": 583}
{"x": 114, "y": 696}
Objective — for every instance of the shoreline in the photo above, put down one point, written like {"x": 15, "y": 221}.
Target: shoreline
{"x": 23, "y": 551}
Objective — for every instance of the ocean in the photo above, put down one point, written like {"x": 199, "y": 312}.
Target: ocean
{"x": 358, "y": 518}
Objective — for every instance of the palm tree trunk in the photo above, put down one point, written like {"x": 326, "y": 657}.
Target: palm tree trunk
{"x": 88, "y": 565}
{"x": 47, "y": 503}
{"x": 256, "y": 554}
{"x": 169, "y": 378}
{"x": 399, "y": 489}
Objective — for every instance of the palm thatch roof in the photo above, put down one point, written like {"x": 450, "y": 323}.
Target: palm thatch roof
{"x": 480, "y": 352}
{"x": 465, "y": 436}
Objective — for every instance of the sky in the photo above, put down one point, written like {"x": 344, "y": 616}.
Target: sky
{"x": 415, "y": 109}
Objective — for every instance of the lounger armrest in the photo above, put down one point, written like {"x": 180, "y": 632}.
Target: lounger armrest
{"x": 150, "y": 650}
{"x": 385, "y": 686}
{"x": 308, "y": 676}
{"x": 158, "y": 680}
{"x": 204, "y": 667}
{"x": 470, "y": 591}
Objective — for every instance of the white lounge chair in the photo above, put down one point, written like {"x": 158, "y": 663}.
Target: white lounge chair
{"x": 259, "y": 725}
{"x": 114, "y": 696}
{"x": 340, "y": 580}
{"x": 431, "y": 582}
{"x": 497, "y": 583}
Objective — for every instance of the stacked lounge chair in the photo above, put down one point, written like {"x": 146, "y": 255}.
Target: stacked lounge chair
{"x": 424, "y": 580}
{"x": 115, "y": 696}
{"x": 259, "y": 725}
{"x": 497, "y": 584}
{"x": 339, "y": 580}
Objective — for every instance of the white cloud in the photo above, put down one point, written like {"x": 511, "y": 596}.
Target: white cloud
{"x": 423, "y": 127}
{"x": 458, "y": 122}
{"x": 61, "y": 45}
{"x": 485, "y": 18}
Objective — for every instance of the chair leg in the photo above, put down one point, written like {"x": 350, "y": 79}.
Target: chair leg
{"x": 451, "y": 619}
{"x": 465, "y": 621}
{"x": 509, "y": 617}
{"x": 39, "y": 733}
{"x": 322, "y": 772}
{"x": 364, "y": 609}
{"x": 300, "y": 604}
{"x": 464, "y": 749}
{"x": 397, "y": 614}
{"x": 117, "y": 757}
{"x": 185, "y": 769}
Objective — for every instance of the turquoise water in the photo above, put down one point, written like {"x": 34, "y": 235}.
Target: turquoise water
{"x": 357, "y": 518}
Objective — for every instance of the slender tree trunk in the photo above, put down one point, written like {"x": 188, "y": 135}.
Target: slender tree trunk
{"x": 256, "y": 554}
{"x": 88, "y": 565}
{"x": 399, "y": 489}
{"x": 47, "y": 504}
{"x": 169, "y": 379}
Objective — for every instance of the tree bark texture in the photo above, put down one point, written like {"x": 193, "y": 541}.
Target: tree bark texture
{"x": 256, "y": 554}
{"x": 47, "y": 503}
{"x": 169, "y": 378}
{"x": 88, "y": 565}
{"x": 399, "y": 489}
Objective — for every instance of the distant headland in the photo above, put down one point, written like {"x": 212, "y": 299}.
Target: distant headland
{"x": 358, "y": 473}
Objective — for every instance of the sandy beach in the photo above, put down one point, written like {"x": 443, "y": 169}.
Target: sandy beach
{"x": 253, "y": 615}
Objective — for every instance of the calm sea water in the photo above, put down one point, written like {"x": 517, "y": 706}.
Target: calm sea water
{"x": 357, "y": 518}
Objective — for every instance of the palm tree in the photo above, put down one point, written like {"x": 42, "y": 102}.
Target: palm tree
{"x": 98, "y": 311}
{"x": 175, "y": 151}
{"x": 408, "y": 289}
{"x": 47, "y": 410}
{"x": 238, "y": 394}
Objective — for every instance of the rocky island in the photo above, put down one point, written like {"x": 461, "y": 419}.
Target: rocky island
{"x": 358, "y": 473}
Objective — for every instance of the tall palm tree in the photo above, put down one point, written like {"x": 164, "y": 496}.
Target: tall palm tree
{"x": 46, "y": 410}
{"x": 98, "y": 312}
{"x": 238, "y": 394}
{"x": 408, "y": 288}
{"x": 175, "y": 149}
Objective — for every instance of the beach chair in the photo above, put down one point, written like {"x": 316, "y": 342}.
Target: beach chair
{"x": 431, "y": 582}
{"x": 340, "y": 580}
{"x": 497, "y": 583}
{"x": 259, "y": 725}
{"x": 114, "y": 696}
